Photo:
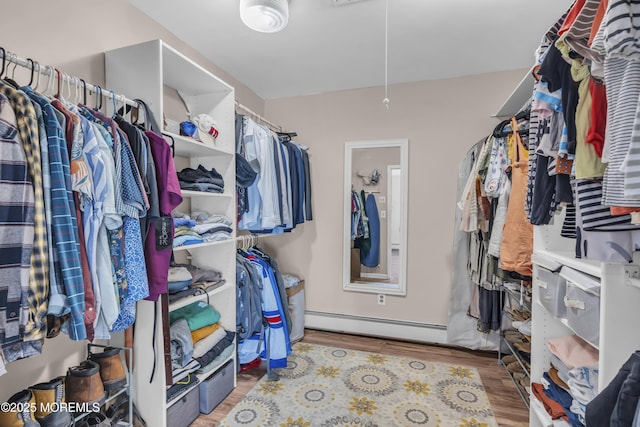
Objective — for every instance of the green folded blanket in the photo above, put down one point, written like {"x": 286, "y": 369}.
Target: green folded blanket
{"x": 198, "y": 315}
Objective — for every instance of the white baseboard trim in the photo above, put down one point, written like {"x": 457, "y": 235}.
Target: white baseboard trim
{"x": 370, "y": 326}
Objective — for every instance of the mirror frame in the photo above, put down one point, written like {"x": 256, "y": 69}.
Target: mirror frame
{"x": 373, "y": 287}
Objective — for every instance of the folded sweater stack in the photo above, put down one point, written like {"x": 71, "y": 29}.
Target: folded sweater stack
{"x": 200, "y": 227}
{"x": 201, "y": 179}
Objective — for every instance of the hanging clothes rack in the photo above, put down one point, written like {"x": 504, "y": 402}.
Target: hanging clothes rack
{"x": 61, "y": 77}
{"x": 246, "y": 241}
{"x": 258, "y": 117}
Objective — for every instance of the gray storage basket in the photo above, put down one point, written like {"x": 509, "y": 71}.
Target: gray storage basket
{"x": 183, "y": 412}
{"x": 551, "y": 291}
{"x": 583, "y": 304}
{"x": 214, "y": 389}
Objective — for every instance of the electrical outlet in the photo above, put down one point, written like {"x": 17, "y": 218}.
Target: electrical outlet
{"x": 381, "y": 299}
{"x": 383, "y": 199}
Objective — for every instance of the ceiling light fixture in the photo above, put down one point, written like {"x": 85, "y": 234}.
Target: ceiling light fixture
{"x": 265, "y": 16}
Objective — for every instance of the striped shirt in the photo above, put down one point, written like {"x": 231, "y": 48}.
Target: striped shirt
{"x": 16, "y": 228}
{"x": 38, "y": 297}
{"x": 623, "y": 91}
{"x": 620, "y": 29}
{"x": 580, "y": 30}
{"x": 622, "y": 76}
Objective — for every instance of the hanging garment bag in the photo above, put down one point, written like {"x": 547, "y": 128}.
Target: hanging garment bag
{"x": 517, "y": 236}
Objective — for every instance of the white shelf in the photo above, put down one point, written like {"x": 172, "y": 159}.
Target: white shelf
{"x": 565, "y": 322}
{"x": 190, "y": 147}
{"x": 594, "y": 268}
{"x": 203, "y": 245}
{"x": 201, "y": 378}
{"x": 154, "y": 71}
{"x": 183, "y": 74}
{"x": 181, "y": 395}
{"x": 518, "y": 98}
{"x": 194, "y": 194}
{"x": 206, "y": 375}
{"x": 201, "y": 297}
{"x": 545, "y": 419}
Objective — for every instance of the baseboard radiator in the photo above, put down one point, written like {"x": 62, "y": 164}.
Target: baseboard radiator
{"x": 376, "y": 327}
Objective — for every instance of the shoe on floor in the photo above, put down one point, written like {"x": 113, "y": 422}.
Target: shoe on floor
{"x": 112, "y": 370}
{"x": 523, "y": 326}
{"x": 26, "y": 418}
{"x": 524, "y": 347}
{"x": 83, "y": 383}
{"x": 50, "y": 398}
{"x": 515, "y": 367}
{"x": 513, "y": 336}
{"x": 95, "y": 419}
{"x": 518, "y": 376}
{"x": 508, "y": 359}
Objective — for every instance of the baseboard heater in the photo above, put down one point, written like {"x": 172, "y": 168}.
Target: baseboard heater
{"x": 376, "y": 327}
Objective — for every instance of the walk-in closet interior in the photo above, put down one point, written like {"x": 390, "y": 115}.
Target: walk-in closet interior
{"x": 327, "y": 213}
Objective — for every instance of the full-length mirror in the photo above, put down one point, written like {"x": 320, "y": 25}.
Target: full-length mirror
{"x": 375, "y": 216}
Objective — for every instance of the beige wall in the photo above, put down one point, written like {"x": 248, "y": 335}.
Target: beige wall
{"x": 72, "y": 35}
{"x": 441, "y": 119}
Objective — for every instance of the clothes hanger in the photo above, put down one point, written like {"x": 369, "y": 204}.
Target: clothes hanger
{"x": 114, "y": 100}
{"x": 84, "y": 92}
{"x": 10, "y": 80}
{"x": 59, "y": 78}
{"x": 76, "y": 98}
{"x": 35, "y": 89}
{"x": 49, "y": 88}
{"x": 68, "y": 87}
{"x": 4, "y": 61}
{"x": 98, "y": 98}
{"x": 32, "y": 71}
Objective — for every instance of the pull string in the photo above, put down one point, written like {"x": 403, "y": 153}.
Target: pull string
{"x": 385, "y": 101}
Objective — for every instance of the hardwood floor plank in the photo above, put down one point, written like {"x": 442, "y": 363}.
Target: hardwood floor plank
{"x": 508, "y": 407}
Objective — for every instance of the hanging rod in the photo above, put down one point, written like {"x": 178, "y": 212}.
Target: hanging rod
{"x": 62, "y": 77}
{"x": 255, "y": 115}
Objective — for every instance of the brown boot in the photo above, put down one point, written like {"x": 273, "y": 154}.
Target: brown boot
{"x": 50, "y": 400}
{"x": 83, "y": 384}
{"x": 25, "y": 402}
{"x": 111, "y": 368}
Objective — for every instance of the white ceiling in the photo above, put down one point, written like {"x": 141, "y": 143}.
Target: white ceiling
{"x": 326, "y": 48}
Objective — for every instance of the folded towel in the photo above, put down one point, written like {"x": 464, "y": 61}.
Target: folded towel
{"x": 197, "y": 315}
{"x": 207, "y": 343}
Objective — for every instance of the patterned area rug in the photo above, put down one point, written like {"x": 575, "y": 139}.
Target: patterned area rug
{"x": 334, "y": 387}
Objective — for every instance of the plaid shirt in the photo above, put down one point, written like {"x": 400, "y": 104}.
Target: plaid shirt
{"x": 64, "y": 224}
{"x": 16, "y": 229}
{"x": 38, "y": 297}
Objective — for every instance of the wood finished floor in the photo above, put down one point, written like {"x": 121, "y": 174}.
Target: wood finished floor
{"x": 507, "y": 406}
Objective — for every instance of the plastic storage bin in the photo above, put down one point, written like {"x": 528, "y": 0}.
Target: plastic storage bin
{"x": 583, "y": 304}
{"x": 551, "y": 292}
{"x": 214, "y": 389}
{"x": 184, "y": 411}
{"x": 295, "y": 296}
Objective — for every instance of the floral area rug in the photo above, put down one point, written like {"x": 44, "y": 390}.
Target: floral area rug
{"x": 334, "y": 387}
